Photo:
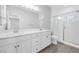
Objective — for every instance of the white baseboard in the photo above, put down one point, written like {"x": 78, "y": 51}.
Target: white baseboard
{"x": 69, "y": 44}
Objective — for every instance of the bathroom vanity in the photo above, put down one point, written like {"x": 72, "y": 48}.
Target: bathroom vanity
{"x": 24, "y": 41}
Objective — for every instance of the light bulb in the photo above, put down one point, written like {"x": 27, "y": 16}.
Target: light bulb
{"x": 32, "y": 7}
{"x": 59, "y": 17}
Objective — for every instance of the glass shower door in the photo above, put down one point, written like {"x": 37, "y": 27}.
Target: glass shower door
{"x": 71, "y": 31}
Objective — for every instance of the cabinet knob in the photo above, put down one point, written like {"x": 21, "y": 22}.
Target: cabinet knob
{"x": 36, "y": 49}
{"x": 36, "y": 41}
{"x": 47, "y": 36}
{"x": 17, "y": 45}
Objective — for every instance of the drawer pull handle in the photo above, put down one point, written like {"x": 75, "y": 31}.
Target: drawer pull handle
{"x": 36, "y": 49}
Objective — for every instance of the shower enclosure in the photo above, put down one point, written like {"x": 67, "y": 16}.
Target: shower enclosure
{"x": 66, "y": 27}
{"x": 71, "y": 31}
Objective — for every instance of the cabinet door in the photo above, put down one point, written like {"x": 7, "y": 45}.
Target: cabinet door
{"x": 45, "y": 39}
{"x": 10, "y": 48}
{"x": 36, "y": 49}
{"x": 35, "y": 39}
{"x": 24, "y": 46}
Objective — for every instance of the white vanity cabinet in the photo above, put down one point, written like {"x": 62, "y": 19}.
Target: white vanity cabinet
{"x": 24, "y": 46}
{"x": 21, "y": 45}
{"x": 27, "y": 43}
{"x": 10, "y": 48}
{"x": 45, "y": 39}
{"x": 36, "y": 42}
{"x": 40, "y": 41}
{"x": 7, "y": 45}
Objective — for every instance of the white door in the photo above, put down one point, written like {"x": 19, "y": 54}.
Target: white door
{"x": 71, "y": 31}
{"x": 58, "y": 27}
{"x": 10, "y": 48}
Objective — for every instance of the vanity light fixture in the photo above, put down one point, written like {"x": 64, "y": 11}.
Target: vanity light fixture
{"x": 65, "y": 5}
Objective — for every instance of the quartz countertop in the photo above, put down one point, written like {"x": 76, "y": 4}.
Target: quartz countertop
{"x": 10, "y": 33}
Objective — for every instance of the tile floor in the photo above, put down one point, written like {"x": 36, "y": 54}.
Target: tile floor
{"x": 60, "y": 48}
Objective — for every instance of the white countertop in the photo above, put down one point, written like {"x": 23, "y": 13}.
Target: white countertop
{"x": 10, "y": 33}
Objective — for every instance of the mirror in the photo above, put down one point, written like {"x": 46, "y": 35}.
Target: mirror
{"x": 14, "y": 23}
{"x": 2, "y": 17}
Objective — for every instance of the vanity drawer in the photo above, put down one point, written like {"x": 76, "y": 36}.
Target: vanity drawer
{"x": 35, "y": 42}
{"x": 36, "y": 49}
{"x": 23, "y": 37}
